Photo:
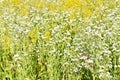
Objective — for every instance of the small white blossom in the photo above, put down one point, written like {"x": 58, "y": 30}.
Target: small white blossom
{"x": 16, "y": 57}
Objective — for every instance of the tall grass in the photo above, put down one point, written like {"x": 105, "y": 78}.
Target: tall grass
{"x": 59, "y": 40}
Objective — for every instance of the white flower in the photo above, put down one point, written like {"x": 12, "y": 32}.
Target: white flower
{"x": 66, "y": 63}
{"x": 89, "y": 61}
{"x": 1, "y": 0}
{"x": 75, "y": 70}
{"x": 16, "y": 57}
{"x": 83, "y": 57}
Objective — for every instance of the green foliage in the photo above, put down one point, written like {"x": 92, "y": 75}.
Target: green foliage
{"x": 59, "y": 40}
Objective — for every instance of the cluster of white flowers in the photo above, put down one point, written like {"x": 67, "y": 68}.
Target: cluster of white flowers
{"x": 74, "y": 45}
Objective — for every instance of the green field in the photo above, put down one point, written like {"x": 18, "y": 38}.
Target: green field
{"x": 59, "y": 39}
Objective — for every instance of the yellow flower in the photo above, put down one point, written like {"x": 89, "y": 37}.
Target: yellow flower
{"x": 33, "y": 40}
{"x": 47, "y": 35}
{"x": 6, "y": 43}
{"x": 16, "y": 2}
{"x": 24, "y": 10}
{"x": 38, "y": 4}
{"x": 33, "y": 34}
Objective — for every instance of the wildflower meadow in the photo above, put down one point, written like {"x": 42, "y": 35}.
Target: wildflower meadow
{"x": 59, "y": 39}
